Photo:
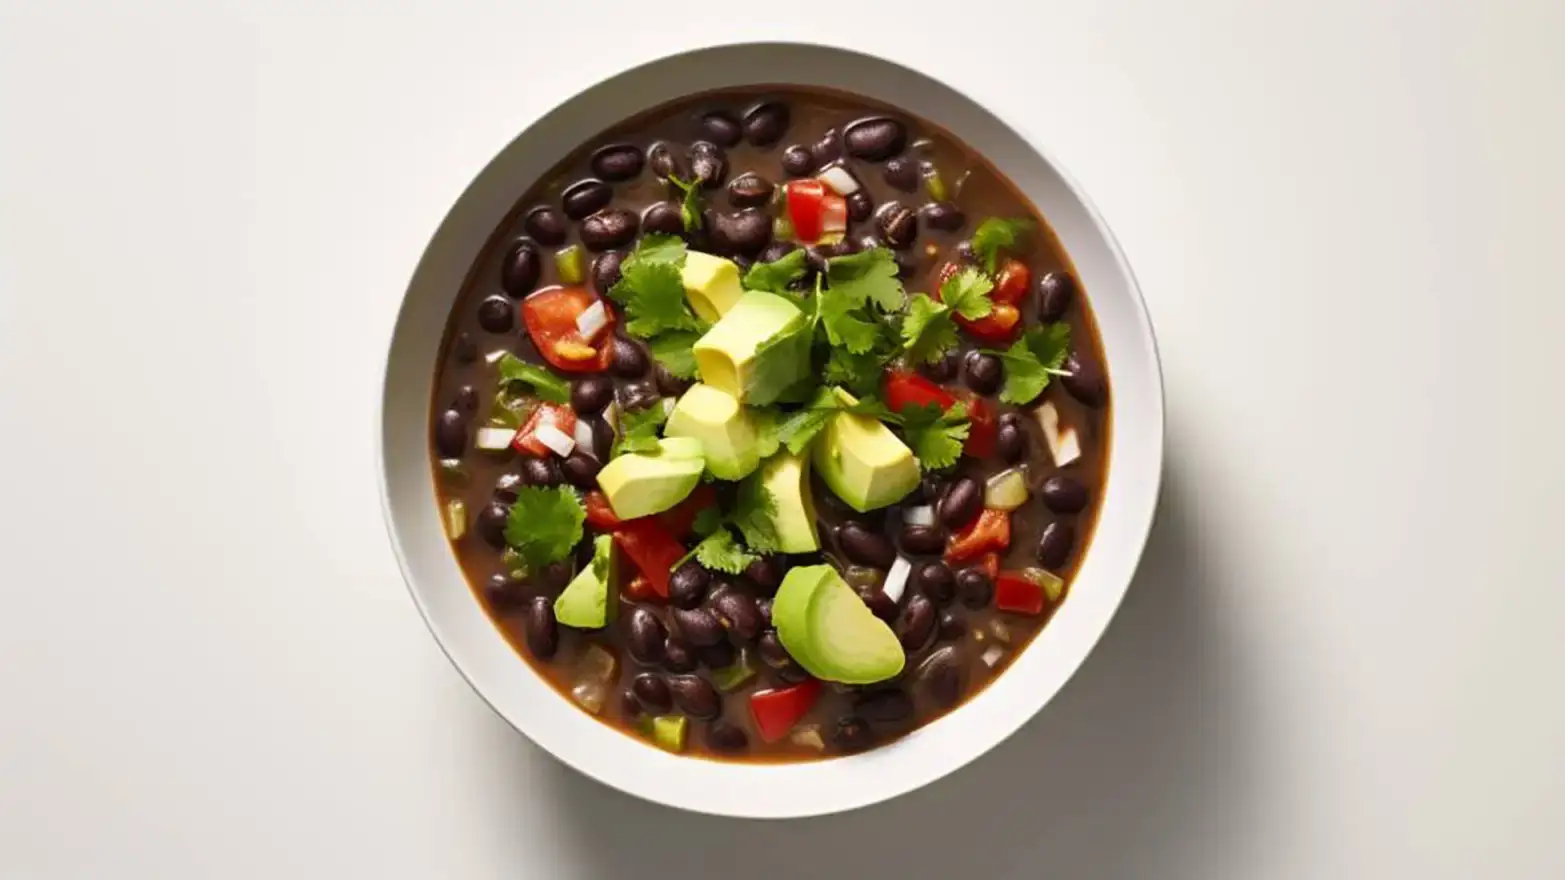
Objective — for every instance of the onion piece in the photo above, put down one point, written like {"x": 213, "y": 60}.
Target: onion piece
{"x": 584, "y": 435}
{"x": 808, "y": 736}
{"x": 840, "y": 179}
{"x": 922, "y": 515}
{"x": 1064, "y": 446}
{"x": 992, "y": 655}
{"x": 493, "y": 357}
{"x": 592, "y": 320}
{"x": 896, "y": 579}
{"x": 456, "y": 519}
{"x": 492, "y": 439}
{"x": 558, "y": 441}
{"x": 1000, "y": 631}
{"x": 1006, "y": 490}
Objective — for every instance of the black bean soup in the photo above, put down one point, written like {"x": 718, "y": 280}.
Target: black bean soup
{"x": 740, "y": 357}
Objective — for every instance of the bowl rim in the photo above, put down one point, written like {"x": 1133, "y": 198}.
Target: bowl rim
{"x": 876, "y": 775}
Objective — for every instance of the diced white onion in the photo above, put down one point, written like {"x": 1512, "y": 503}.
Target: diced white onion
{"x": 1000, "y": 631}
{"x": 992, "y": 655}
{"x": 840, "y": 180}
{"x": 611, "y": 416}
{"x": 493, "y": 357}
{"x": 494, "y": 439}
{"x": 668, "y": 406}
{"x": 584, "y": 434}
{"x": 1064, "y": 446}
{"x": 558, "y": 441}
{"x": 923, "y": 515}
{"x": 592, "y": 321}
{"x": 896, "y": 579}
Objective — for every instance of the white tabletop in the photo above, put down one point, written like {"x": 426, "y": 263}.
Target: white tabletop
{"x": 1343, "y": 656}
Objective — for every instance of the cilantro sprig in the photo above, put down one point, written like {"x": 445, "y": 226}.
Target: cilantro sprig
{"x": 652, "y": 292}
{"x": 936, "y": 437}
{"x": 779, "y": 275}
{"x": 1032, "y": 361}
{"x": 690, "y": 205}
{"x": 753, "y": 516}
{"x": 929, "y": 330}
{"x": 545, "y": 524}
{"x": 639, "y": 431}
{"x": 545, "y": 384}
{"x": 995, "y": 235}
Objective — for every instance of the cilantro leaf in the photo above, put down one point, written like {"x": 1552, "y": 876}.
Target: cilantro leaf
{"x": 776, "y": 276}
{"x": 936, "y": 437}
{"x": 776, "y": 362}
{"x": 928, "y": 332}
{"x": 544, "y": 383}
{"x": 867, "y": 276}
{"x": 674, "y": 350}
{"x": 967, "y": 294}
{"x": 871, "y": 406}
{"x": 1032, "y": 361}
{"x": 655, "y": 299}
{"x": 801, "y": 426}
{"x": 720, "y": 552}
{"x": 845, "y": 323}
{"x": 638, "y": 431}
{"x": 707, "y": 521}
{"x": 755, "y": 515}
{"x": 768, "y": 430}
{"x": 690, "y": 207}
{"x": 859, "y": 373}
{"x": 996, "y": 234}
{"x": 660, "y": 248}
{"x": 545, "y": 524}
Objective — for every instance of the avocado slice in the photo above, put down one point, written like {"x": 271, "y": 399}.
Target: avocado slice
{"x": 787, "y": 477}
{"x": 588, "y": 601}
{"x": 638, "y": 484}
{"x": 726, "y": 354}
{"x": 829, "y": 630}
{"x": 725, "y": 429}
{"x": 711, "y": 284}
{"x": 861, "y": 461}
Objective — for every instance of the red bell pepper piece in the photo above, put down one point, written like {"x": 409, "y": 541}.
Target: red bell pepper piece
{"x": 1010, "y": 283}
{"x": 806, "y": 208}
{"x": 526, "y": 439}
{"x": 550, "y": 316}
{"x": 997, "y": 327}
{"x": 681, "y": 517}
{"x": 599, "y": 514}
{"x": 989, "y": 564}
{"x": 910, "y": 389}
{"x": 990, "y": 531}
{"x": 653, "y": 550}
{"x": 983, "y": 430}
{"x": 1018, "y": 595}
{"x": 776, "y": 711}
{"x": 639, "y": 590}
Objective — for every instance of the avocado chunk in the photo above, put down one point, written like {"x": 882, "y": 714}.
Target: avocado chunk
{"x": 787, "y": 477}
{"x": 711, "y": 285}
{"x": 829, "y": 630}
{"x": 731, "y": 355}
{"x": 861, "y": 461}
{"x": 588, "y": 601}
{"x": 668, "y": 731}
{"x": 725, "y": 429}
{"x": 640, "y": 484}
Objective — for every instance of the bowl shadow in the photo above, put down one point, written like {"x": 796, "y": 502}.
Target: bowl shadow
{"x": 1137, "y": 768}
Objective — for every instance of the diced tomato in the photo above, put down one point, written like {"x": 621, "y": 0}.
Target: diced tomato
{"x": 834, "y": 215}
{"x": 1010, "y": 283}
{"x": 806, "y": 208}
{"x": 1018, "y": 595}
{"x": 651, "y": 548}
{"x": 989, "y": 564}
{"x": 599, "y": 514}
{"x": 981, "y": 435}
{"x": 990, "y": 531}
{"x": 550, "y": 316}
{"x": 997, "y": 327}
{"x": 526, "y": 439}
{"x": 681, "y": 517}
{"x": 910, "y": 389}
{"x": 639, "y": 589}
{"x": 776, "y": 711}
{"x": 1001, "y": 324}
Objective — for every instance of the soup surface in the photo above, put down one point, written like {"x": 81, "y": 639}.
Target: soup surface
{"x": 772, "y": 425}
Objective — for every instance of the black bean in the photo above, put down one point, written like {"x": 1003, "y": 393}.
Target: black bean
{"x": 860, "y": 206}
{"x": 917, "y": 623}
{"x": 922, "y": 540}
{"x": 629, "y": 707}
{"x": 466, "y": 399}
{"x": 934, "y": 579}
{"x": 677, "y": 656}
{"x": 1062, "y": 494}
{"x": 736, "y": 612}
{"x": 865, "y": 547}
{"x": 665, "y": 163}
{"x": 975, "y": 588}
{"x": 645, "y": 636}
{"x": 464, "y": 349}
{"x": 942, "y": 370}
{"x": 663, "y": 217}
{"x": 744, "y": 232}
{"x": 764, "y": 606}
{"x": 591, "y": 395}
{"x": 902, "y": 173}
{"x": 606, "y": 271}
{"x": 772, "y": 652}
{"x": 798, "y": 161}
{"x": 505, "y": 487}
{"x": 879, "y": 603}
{"x": 721, "y": 127}
{"x": 546, "y": 226}
{"x": 984, "y": 372}
{"x": 669, "y": 385}
{"x": 490, "y": 524}
{"x": 724, "y": 737}
{"x": 540, "y": 471}
{"x": 719, "y": 656}
{"x": 1055, "y": 292}
{"x": 898, "y": 225}
{"x": 709, "y": 164}
{"x": 698, "y": 626}
{"x": 602, "y": 437}
{"x": 767, "y": 573}
{"x": 451, "y": 434}
{"x": 852, "y": 734}
{"x": 943, "y": 216}
{"x": 776, "y": 251}
{"x": 1084, "y": 380}
{"x": 519, "y": 273}
{"x": 581, "y": 469}
{"x": 608, "y": 229}
{"x": 1010, "y": 439}
{"x": 639, "y": 395}
{"x": 687, "y": 586}
{"x": 552, "y": 578}
{"x": 539, "y": 628}
{"x": 885, "y": 705}
{"x": 617, "y": 162}
{"x": 875, "y": 139}
{"x": 962, "y": 501}
{"x": 952, "y": 626}
{"x": 652, "y": 692}
{"x": 497, "y": 315}
{"x": 629, "y": 360}
{"x": 696, "y": 697}
{"x": 749, "y": 190}
{"x": 965, "y": 252}
{"x": 828, "y": 148}
{"x": 585, "y": 197}
{"x": 765, "y": 123}
{"x": 941, "y": 677}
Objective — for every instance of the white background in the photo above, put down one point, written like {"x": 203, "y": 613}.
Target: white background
{"x": 1343, "y": 656}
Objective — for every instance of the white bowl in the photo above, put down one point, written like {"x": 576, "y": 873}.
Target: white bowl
{"x": 768, "y": 790}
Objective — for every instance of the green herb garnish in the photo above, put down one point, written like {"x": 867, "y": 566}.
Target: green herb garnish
{"x": 638, "y": 431}
{"x": 936, "y": 437}
{"x": 545, "y": 524}
{"x": 690, "y": 206}
{"x": 1032, "y": 361}
{"x": 778, "y": 275}
{"x": 543, "y": 383}
{"x": 997, "y": 234}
